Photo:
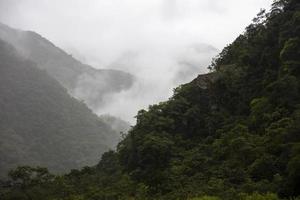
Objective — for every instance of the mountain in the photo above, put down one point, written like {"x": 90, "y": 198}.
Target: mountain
{"x": 192, "y": 62}
{"x": 41, "y": 124}
{"x": 232, "y": 134}
{"x": 116, "y": 123}
{"x": 82, "y": 81}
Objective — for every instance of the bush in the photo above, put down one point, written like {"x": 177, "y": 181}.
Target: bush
{"x": 257, "y": 196}
{"x": 206, "y": 198}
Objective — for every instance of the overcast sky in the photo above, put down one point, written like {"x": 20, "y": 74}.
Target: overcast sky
{"x": 147, "y": 38}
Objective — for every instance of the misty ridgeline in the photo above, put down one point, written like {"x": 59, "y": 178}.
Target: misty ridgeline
{"x": 229, "y": 133}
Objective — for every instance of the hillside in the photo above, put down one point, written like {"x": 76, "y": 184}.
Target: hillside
{"x": 82, "y": 81}
{"x": 41, "y": 124}
{"x": 232, "y": 134}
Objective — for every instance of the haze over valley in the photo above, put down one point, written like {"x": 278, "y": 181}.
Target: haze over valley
{"x": 149, "y": 100}
{"x": 161, "y": 43}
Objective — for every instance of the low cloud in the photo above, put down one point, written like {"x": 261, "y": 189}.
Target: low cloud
{"x": 163, "y": 43}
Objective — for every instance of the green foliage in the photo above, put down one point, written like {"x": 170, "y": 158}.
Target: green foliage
{"x": 232, "y": 134}
{"x": 205, "y": 198}
{"x": 257, "y": 196}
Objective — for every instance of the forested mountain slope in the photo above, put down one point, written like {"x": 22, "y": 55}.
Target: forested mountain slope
{"x": 232, "y": 134}
{"x": 41, "y": 124}
{"x": 81, "y": 80}
{"x": 237, "y": 131}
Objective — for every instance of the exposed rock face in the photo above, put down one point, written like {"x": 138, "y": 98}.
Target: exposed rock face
{"x": 203, "y": 80}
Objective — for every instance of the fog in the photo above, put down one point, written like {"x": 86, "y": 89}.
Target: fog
{"x": 163, "y": 43}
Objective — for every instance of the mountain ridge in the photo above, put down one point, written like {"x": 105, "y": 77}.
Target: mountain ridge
{"x": 41, "y": 124}
{"x": 71, "y": 73}
{"x": 230, "y": 135}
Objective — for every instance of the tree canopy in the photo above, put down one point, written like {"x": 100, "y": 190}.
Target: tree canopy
{"x": 230, "y": 134}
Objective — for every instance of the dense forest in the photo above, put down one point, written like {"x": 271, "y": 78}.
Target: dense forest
{"x": 41, "y": 124}
{"x": 230, "y": 134}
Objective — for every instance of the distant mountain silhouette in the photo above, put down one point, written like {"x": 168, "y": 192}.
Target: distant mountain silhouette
{"x": 41, "y": 124}
{"x": 81, "y": 80}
